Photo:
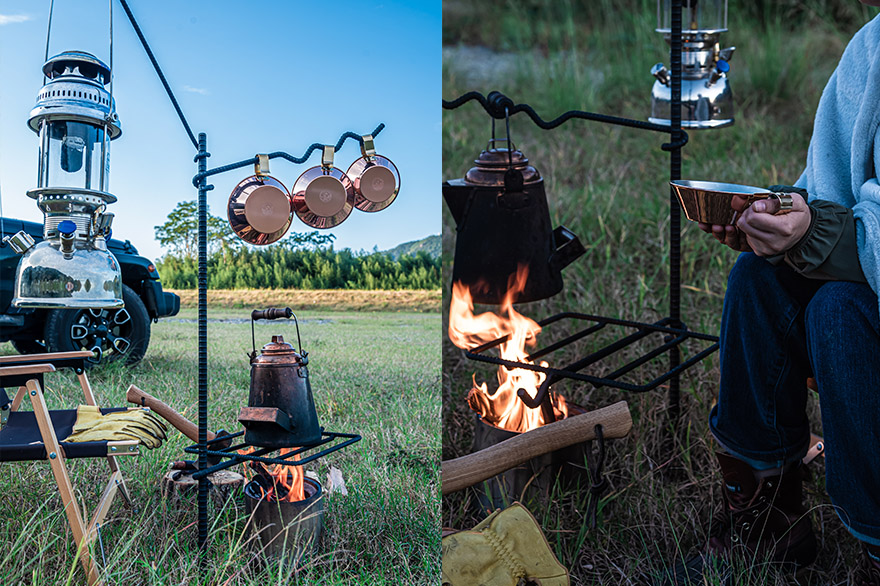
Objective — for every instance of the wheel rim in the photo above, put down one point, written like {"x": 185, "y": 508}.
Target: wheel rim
{"x": 103, "y": 331}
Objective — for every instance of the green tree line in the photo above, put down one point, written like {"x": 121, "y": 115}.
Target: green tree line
{"x": 302, "y": 260}
{"x": 280, "y": 267}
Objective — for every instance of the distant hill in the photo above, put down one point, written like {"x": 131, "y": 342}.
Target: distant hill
{"x": 430, "y": 245}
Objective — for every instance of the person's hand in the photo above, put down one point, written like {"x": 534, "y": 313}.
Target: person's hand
{"x": 729, "y": 234}
{"x": 768, "y": 234}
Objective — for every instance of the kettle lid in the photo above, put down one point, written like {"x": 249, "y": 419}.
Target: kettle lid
{"x": 277, "y": 351}
{"x": 493, "y": 162}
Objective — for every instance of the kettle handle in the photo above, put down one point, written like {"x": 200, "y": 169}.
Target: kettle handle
{"x": 269, "y": 314}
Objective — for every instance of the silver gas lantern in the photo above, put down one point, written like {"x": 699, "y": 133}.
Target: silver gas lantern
{"x": 706, "y": 100}
{"x": 75, "y": 118}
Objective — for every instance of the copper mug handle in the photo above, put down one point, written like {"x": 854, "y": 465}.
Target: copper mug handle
{"x": 785, "y": 203}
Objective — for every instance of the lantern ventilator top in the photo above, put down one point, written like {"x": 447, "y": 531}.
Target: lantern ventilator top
{"x": 76, "y": 92}
{"x": 75, "y": 118}
{"x": 706, "y": 99}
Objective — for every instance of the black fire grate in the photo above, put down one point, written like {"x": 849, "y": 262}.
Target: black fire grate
{"x": 259, "y": 454}
{"x": 673, "y": 337}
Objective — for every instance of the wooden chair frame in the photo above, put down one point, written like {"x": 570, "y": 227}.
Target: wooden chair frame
{"x": 84, "y": 530}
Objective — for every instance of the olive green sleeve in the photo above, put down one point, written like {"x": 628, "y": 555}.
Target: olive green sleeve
{"x": 828, "y": 250}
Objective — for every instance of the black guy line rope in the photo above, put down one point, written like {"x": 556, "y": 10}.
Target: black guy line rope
{"x": 137, "y": 30}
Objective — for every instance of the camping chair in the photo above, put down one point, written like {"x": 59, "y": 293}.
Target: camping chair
{"x": 40, "y": 434}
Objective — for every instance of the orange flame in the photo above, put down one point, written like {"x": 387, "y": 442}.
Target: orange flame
{"x": 287, "y": 481}
{"x": 466, "y": 330}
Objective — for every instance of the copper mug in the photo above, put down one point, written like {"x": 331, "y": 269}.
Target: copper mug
{"x": 375, "y": 178}
{"x": 323, "y": 196}
{"x": 259, "y": 208}
{"x": 709, "y": 201}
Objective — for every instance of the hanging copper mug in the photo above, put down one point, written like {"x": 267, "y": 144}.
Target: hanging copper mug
{"x": 259, "y": 208}
{"x": 323, "y": 196}
{"x": 375, "y": 178}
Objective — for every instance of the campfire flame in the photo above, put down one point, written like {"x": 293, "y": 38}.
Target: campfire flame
{"x": 503, "y": 408}
{"x": 285, "y": 482}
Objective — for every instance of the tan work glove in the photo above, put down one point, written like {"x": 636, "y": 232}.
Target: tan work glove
{"x": 506, "y": 547}
{"x": 137, "y": 424}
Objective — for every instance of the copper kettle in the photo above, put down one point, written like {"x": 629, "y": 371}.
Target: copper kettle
{"x": 281, "y": 410}
{"x": 503, "y": 222}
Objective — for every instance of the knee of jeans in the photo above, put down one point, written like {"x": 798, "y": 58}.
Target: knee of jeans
{"x": 750, "y": 272}
{"x": 830, "y": 308}
{"x": 830, "y": 315}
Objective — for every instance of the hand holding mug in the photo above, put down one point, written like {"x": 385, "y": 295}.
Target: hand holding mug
{"x": 760, "y": 228}
{"x": 770, "y": 232}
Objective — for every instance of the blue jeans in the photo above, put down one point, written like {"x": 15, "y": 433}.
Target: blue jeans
{"x": 777, "y": 329}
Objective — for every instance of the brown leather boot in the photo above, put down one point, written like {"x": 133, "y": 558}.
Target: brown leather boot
{"x": 868, "y": 573}
{"x": 764, "y": 518}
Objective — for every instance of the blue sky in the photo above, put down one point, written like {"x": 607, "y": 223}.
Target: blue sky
{"x": 256, "y": 77}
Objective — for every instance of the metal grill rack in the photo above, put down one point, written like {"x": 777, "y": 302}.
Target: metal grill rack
{"x": 673, "y": 330}
{"x": 671, "y": 337}
{"x": 259, "y": 454}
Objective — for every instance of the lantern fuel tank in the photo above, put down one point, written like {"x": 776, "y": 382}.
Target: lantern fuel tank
{"x": 706, "y": 97}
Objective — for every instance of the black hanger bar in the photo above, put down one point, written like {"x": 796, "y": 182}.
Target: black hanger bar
{"x": 499, "y": 106}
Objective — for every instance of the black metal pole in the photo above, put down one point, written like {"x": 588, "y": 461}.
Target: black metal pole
{"x": 674, "y": 211}
{"x": 202, "y": 159}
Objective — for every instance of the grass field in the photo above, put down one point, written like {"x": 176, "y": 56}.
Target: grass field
{"x": 608, "y": 185}
{"x": 372, "y": 373}
{"x": 318, "y": 300}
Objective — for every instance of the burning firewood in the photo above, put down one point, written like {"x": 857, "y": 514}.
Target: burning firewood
{"x": 277, "y": 482}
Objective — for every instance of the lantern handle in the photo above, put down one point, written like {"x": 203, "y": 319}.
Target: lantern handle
{"x": 270, "y": 314}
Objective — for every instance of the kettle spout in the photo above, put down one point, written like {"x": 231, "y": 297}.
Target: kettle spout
{"x": 456, "y": 193}
{"x": 566, "y": 248}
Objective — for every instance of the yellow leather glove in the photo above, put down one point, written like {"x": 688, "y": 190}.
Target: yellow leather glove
{"x": 88, "y": 416}
{"x": 138, "y": 424}
{"x": 506, "y": 547}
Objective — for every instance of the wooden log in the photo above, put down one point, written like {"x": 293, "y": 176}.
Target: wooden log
{"x": 468, "y": 470}
{"x": 178, "y": 485}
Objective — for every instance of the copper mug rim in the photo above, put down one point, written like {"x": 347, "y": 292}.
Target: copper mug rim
{"x": 697, "y": 199}
{"x": 314, "y": 217}
{"x": 247, "y": 221}
{"x": 367, "y": 200}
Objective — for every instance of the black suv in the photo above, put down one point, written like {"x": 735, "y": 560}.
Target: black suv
{"x": 109, "y": 333}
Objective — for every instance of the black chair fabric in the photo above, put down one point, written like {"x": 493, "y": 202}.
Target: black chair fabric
{"x": 20, "y": 438}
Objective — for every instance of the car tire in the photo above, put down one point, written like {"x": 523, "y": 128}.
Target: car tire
{"x": 112, "y": 334}
{"x": 29, "y": 346}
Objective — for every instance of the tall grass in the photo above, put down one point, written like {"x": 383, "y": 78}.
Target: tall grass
{"x": 371, "y": 373}
{"x": 609, "y": 186}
